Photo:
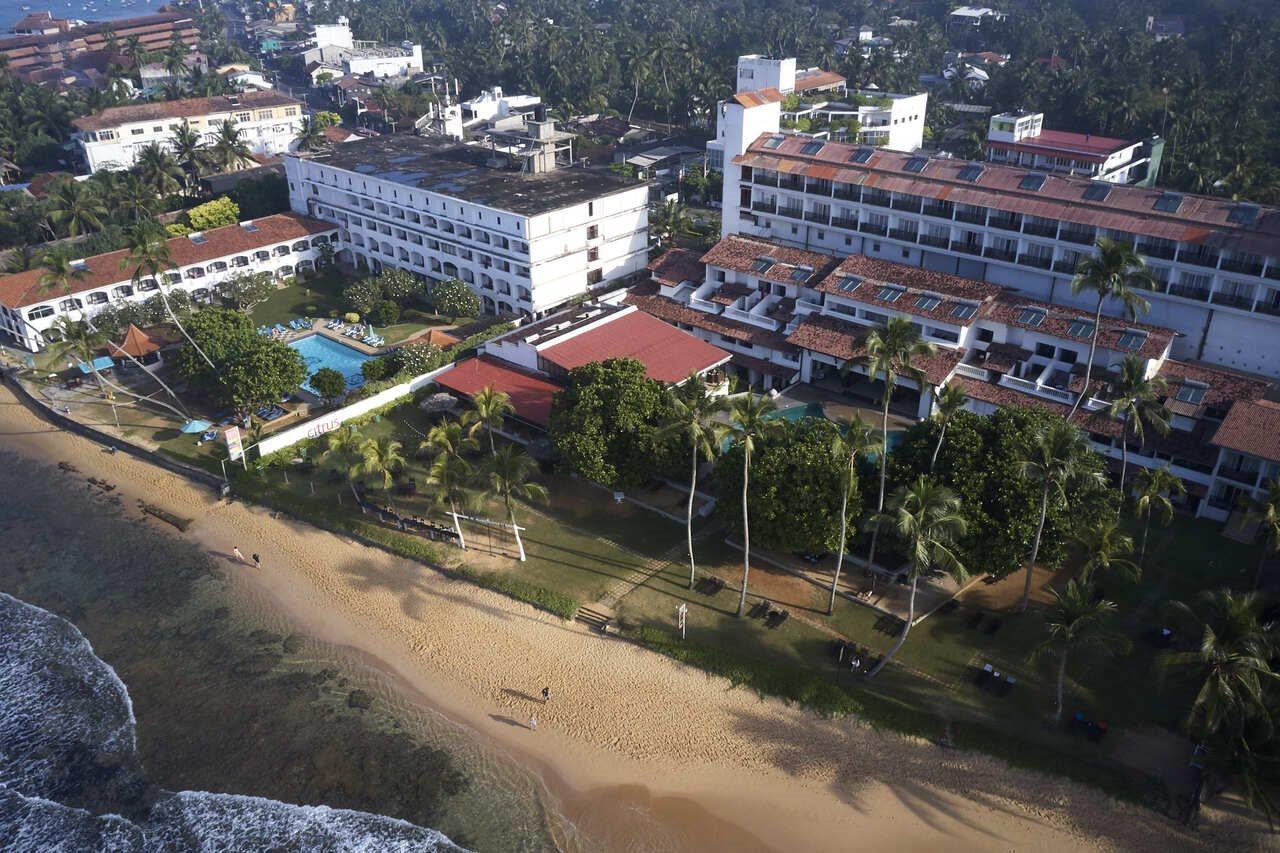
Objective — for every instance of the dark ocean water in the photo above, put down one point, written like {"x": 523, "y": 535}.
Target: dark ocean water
{"x": 99, "y": 10}
{"x": 178, "y": 685}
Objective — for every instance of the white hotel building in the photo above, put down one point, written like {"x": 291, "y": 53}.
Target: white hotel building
{"x": 111, "y": 139}
{"x": 526, "y": 238}
{"x": 282, "y": 245}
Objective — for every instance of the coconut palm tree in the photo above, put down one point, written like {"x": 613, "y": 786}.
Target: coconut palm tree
{"x": 1077, "y": 621}
{"x": 381, "y": 459}
{"x": 926, "y": 518}
{"x": 1264, "y": 511}
{"x": 1053, "y": 458}
{"x": 1230, "y": 660}
{"x": 158, "y": 169}
{"x": 58, "y": 274}
{"x": 82, "y": 341}
{"x": 1105, "y": 547}
{"x": 854, "y": 438}
{"x": 174, "y": 60}
{"x": 693, "y": 410}
{"x": 342, "y": 447}
{"x": 449, "y": 438}
{"x": 135, "y": 199}
{"x": 669, "y": 222}
{"x": 135, "y": 51}
{"x": 229, "y": 152}
{"x": 1136, "y": 401}
{"x": 147, "y": 254}
{"x": 749, "y": 423}
{"x": 1116, "y": 272}
{"x": 489, "y": 410}
{"x": 1155, "y": 487}
{"x": 891, "y": 352}
{"x": 310, "y": 135}
{"x": 75, "y": 208}
{"x": 507, "y": 473}
{"x": 452, "y": 477}
{"x": 190, "y": 153}
{"x": 948, "y": 403}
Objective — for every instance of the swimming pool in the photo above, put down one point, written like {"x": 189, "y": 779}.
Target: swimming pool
{"x": 815, "y": 410}
{"x": 318, "y": 351}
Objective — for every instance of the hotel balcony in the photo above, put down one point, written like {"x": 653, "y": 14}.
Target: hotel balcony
{"x": 1072, "y": 235}
{"x": 765, "y": 206}
{"x": 967, "y": 248}
{"x": 849, "y": 223}
{"x": 1004, "y": 222}
{"x": 873, "y": 228}
{"x": 792, "y": 212}
{"x": 1198, "y": 293}
{"x": 973, "y": 217}
{"x": 1067, "y": 266}
{"x": 1044, "y": 262}
{"x": 1039, "y": 229}
{"x": 908, "y": 235}
{"x": 1155, "y": 250}
{"x": 941, "y": 210}
{"x": 936, "y": 240}
{"x": 1199, "y": 258}
{"x": 1233, "y": 300}
{"x": 822, "y": 217}
{"x": 1242, "y": 265}
{"x": 1000, "y": 254}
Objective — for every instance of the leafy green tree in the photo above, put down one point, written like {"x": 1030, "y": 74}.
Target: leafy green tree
{"x": 1155, "y": 486}
{"x": 670, "y": 222}
{"x": 855, "y": 440}
{"x": 329, "y": 384}
{"x": 325, "y": 118}
{"x": 147, "y": 255}
{"x": 243, "y": 291}
{"x": 606, "y": 423}
{"x": 749, "y": 423}
{"x": 453, "y": 298}
{"x": 386, "y": 313}
{"x": 363, "y": 295}
{"x": 1077, "y": 621}
{"x": 507, "y": 473}
{"x": 214, "y": 214}
{"x": 1116, "y": 272}
{"x": 926, "y": 518}
{"x": 310, "y": 135}
{"x": 252, "y": 370}
{"x": 691, "y": 419}
{"x": 1136, "y": 401}
{"x": 399, "y": 285}
{"x": 417, "y": 359}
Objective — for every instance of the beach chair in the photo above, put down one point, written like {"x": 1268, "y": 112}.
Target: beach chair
{"x": 1007, "y": 685}
{"x": 983, "y": 676}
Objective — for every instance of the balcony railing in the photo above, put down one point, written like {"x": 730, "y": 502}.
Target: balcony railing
{"x": 1200, "y": 259}
{"x": 1063, "y": 265}
{"x": 821, "y": 216}
{"x": 784, "y": 184}
{"x": 1268, "y": 308}
{"x": 1200, "y": 293}
{"x": 967, "y": 248}
{"x": 942, "y": 211}
{"x": 911, "y": 205}
{"x": 846, "y": 192}
{"x": 793, "y": 212}
{"x": 1240, "y": 474}
{"x": 935, "y": 240}
{"x": 1243, "y": 266}
{"x": 818, "y": 187}
{"x": 1007, "y": 223}
{"x": 1000, "y": 254}
{"x": 1155, "y": 250}
{"x": 1076, "y": 236}
{"x": 1039, "y": 229}
{"x": 1272, "y": 271}
{"x": 873, "y": 228}
{"x": 907, "y": 234}
{"x": 878, "y": 199}
{"x": 1041, "y": 261}
{"x": 764, "y": 180}
{"x": 974, "y": 217}
{"x": 1233, "y": 300}
{"x": 847, "y": 222}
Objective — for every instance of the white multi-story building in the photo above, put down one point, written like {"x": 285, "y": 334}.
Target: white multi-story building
{"x": 884, "y": 119}
{"x": 282, "y": 245}
{"x": 111, "y": 139}
{"x": 1020, "y": 139}
{"x": 492, "y": 104}
{"x": 526, "y": 233}
{"x": 1216, "y": 261}
{"x": 756, "y": 72}
{"x": 334, "y": 45}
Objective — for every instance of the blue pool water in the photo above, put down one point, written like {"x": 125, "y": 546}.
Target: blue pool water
{"x": 318, "y": 351}
{"x": 796, "y": 413}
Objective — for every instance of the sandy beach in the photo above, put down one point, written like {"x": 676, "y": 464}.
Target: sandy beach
{"x": 641, "y": 753}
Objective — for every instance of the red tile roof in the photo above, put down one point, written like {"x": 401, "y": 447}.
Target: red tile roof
{"x": 816, "y": 78}
{"x": 1253, "y": 428}
{"x": 758, "y": 98}
{"x": 1077, "y": 146}
{"x": 1199, "y": 219}
{"x": 844, "y": 341}
{"x": 676, "y": 266}
{"x": 1008, "y": 307}
{"x": 21, "y": 289}
{"x": 1224, "y": 386}
{"x": 184, "y": 108}
{"x": 668, "y": 354}
{"x": 530, "y": 395}
{"x": 917, "y": 281}
{"x": 676, "y": 312}
{"x": 999, "y": 395}
{"x": 136, "y": 343}
{"x": 741, "y": 253}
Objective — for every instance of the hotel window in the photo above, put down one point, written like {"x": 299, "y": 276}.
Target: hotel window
{"x": 42, "y": 311}
{"x": 263, "y": 115}
{"x": 138, "y": 131}
{"x": 70, "y": 305}
{"x": 291, "y": 111}
{"x": 243, "y": 117}
{"x": 106, "y": 135}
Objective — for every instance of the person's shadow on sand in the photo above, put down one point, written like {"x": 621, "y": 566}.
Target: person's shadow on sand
{"x": 510, "y": 722}
{"x": 518, "y": 694}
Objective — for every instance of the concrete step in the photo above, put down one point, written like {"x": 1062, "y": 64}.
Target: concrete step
{"x": 595, "y": 616}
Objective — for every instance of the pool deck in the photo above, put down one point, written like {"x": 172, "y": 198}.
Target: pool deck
{"x": 837, "y": 407}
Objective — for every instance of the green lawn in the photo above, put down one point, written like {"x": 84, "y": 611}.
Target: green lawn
{"x": 318, "y": 296}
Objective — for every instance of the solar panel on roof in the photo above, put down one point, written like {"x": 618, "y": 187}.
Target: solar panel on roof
{"x": 889, "y": 293}
{"x": 761, "y": 264}
{"x": 964, "y": 310}
{"x": 801, "y": 274}
{"x": 197, "y": 237}
{"x": 1243, "y": 214}
{"x": 861, "y": 155}
{"x": 1031, "y": 316}
{"x": 812, "y": 147}
{"x": 1191, "y": 392}
{"x": 773, "y": 141}
{"x": 849, "y": 283}
{"x": 916, "y": 164}
{"x": 927, "y": 302}
{"x": 1097, "y": 191}
{"x": 1080, "y": 328}
{"x": 249, "y": 226}
{"x": 1168, "y": 202}
{"x": 971, "y": 172}
{"x": 1034, "y": 181}
{"x": 1132, "y": 339}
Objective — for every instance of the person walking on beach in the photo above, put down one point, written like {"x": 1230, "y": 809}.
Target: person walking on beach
{"x": 257, "y": 561}
{"x": 533, "y": 723}
{"x": 239, "y": 556}
{"x": 546, "y": 695}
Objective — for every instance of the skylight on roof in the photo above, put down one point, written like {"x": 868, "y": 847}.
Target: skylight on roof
{"x": 773, "y": 142}
{"x": 1033, "y": 181}
{"x": 1168, "y": 202}
{"x": 916, "y": 164}
{"x": 1132, "y": 339}
{"x": 861, "y": 155}
{"x": 971, "y": 172}
{"x": 1243, "y": 214}
{"x": 927, "y": 302}
{"x": 1080, "y": 328}
{"x": 761, "y": 264}
{"x": 197, "y": 237}
{"x": 890, "y": 292}
{"x": 1097, "y": 191}
{"x": 1031, "y": 316}
{"x": 249, "y": 226}
{"x": 1191, "y": 392}
{"x": 849, "y": 283}
{"x": 812, "y": 147}
{"x": 964, "y": 310}
{"x": 801, "y": 274}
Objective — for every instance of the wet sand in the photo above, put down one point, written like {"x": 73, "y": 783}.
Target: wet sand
{"x": 637, "y": 751}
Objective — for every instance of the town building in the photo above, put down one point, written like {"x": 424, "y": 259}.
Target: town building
{"x": 530, "y": 364}
{"x": 1020, "y": 139}
{"x": 791, "y": 315}
{"x": 333, "y": 45}
{"x": 493, "y": 104}
{"x": 863, "y": 41}
{"x": 1216, "y": 261}
{"x": 757, "y": 72}
{"x": 968, "y": 26}
{"x": 511, "y": 218}
{"x": 153, "y": 75}
{"x": 884, "y": 118}
{"x": 42, "y": 24}
{"x": 79, "y": 46}
{"x": 111, "y": 139}
{"x": 282, "y": 245}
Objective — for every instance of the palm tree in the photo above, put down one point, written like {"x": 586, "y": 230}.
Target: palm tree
{"x": 58, "y": 274}
{"x": 489, "y": 410}
{"x": 229, "y": 151}
{"x": 671, "y": 221}
{"x": 1053, "y": 458}
{"x": 174, "y": 60}
{"x": 1136, "y": 403}
{"x": 1077, "y": 621}
{"x": 147, "y": 252}
{"x": 926, "y": 517}
{"x": 1231, "y": 658}
{"x": 452, "y": 477}
{"x": 75, "y": 207}
{"x": 854, "y": 438}
{"x": 1105, "y": 547}
{"x": 1116, "y": 272}
{"x": 189, "y": 152}
{"x": 891, "y": 351}
{"x": 749, "y": 422}
{"x": 81, "y": 340}
{"x": 158, "y": 169}
{"x": 948, "y": 402}
{"x": 135, "y": 199}
{"x": 508, "y": 472}
{"x": 381, "y": 459}
{"x": 310, "y": 135}
{"x": 1155, "y": 486}
{"x": 135, "y": 51}
{"x": 449, "y": 438}
{"x": 342, "y": 446}
{"x": 693, "y": 410}
{"x": 1264, "y": 511}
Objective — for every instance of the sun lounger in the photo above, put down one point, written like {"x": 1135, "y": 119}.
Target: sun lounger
{"x": 983, "y": 676}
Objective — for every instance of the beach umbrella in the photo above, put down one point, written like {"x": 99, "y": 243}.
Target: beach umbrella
{"x": 196, "y": 426}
